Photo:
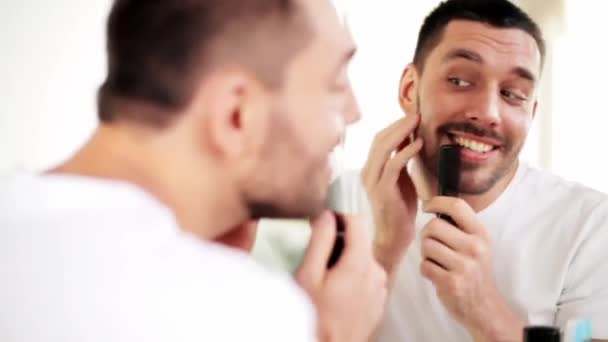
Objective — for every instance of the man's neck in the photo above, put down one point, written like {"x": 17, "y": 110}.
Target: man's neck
{"x": 199, "y": 198}
{"x": 426, "y": 186}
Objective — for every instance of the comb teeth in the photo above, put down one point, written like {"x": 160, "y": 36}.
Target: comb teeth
{"x": 449, "y": 170}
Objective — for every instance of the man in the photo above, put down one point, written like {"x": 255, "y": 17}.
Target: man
{"x": 525, "y": 247}
{"x": 213, "y": 113}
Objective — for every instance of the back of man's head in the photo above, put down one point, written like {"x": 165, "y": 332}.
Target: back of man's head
{"x": 212, "y": 94}
{"x": 496, "y": 13}
{"x": 158, "y": 49}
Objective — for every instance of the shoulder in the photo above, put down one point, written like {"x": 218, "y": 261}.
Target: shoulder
{"x": 124, "y": 260}
{"x": 235, "y": 298}
{"x": 564, "y": 203}
{"x": 261, "y": 294}
{"x": 228, "y": 267}
{"x": 555, "y": 190}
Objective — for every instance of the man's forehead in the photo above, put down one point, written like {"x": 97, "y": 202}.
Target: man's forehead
{"x": 513, "y": 44}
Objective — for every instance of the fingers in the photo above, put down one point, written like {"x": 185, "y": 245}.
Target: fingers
{"x": 463, "y": 247}
{"x": 385, "y": 142}
{"x": 433, "y": 272}
{"x": 459, "y": 211}
{"x": 441, "y": 254}
{"x": 314, "y": 265}
{"x": 393, "y": 167}
{"x": 447, "y": 234}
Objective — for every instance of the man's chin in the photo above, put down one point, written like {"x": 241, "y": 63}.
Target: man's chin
{"x": 477, "y": 182}
{"x": 474, "y": 189}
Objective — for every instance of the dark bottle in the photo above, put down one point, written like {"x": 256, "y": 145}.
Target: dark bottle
{"x": 541, "y": 334}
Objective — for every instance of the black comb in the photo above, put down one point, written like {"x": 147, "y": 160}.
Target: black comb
{"x": 339, "y": 244}
{"x": 449, "y": 174}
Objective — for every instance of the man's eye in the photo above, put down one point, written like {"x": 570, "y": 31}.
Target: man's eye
{"x": 459, "y": 82}
{"x": 513, "y": 96}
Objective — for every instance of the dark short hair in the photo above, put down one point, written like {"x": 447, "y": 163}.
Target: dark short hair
{"x": 158, "y": 49}
{"x": 496, "y": 13}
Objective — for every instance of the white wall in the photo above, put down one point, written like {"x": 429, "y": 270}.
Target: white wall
{"x": 580, "y": 111}
{"x": 51, "y": 61}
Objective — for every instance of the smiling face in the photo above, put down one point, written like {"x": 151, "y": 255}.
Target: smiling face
{"x": 477, "y": 90}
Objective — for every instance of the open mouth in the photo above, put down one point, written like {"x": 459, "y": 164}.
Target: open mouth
{"x": 472, "y": 144}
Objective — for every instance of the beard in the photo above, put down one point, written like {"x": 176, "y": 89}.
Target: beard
{"x": 285, "y": 183}
{"x": 272, "y": 209}
{"x": 475, "y": 179}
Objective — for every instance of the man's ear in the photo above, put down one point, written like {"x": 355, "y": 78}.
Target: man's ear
{"x": 218, "y": 107}
{"x": 234, "y": 113}
{"x": 408, "y": 90}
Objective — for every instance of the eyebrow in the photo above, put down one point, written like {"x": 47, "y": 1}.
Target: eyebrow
{"x": 463, "y": 54}
{"x": 524, "y": 73}
{"x": 476, "y": 58}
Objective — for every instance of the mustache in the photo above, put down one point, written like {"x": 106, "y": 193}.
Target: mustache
{"x": 467, "y": 127}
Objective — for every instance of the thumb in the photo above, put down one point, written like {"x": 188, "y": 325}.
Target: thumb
{"x": 314, "y": 265}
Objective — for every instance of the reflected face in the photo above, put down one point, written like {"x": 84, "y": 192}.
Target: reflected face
{"x": 478, "y": 90}
{"x": 307, "y": 120}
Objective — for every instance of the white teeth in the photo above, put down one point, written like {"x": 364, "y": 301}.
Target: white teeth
{"x": 473, "y": 145}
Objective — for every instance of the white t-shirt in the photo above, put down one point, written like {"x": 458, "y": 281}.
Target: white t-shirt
{"x": 85, "y": 260}
{"x": 551, "y": 258}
